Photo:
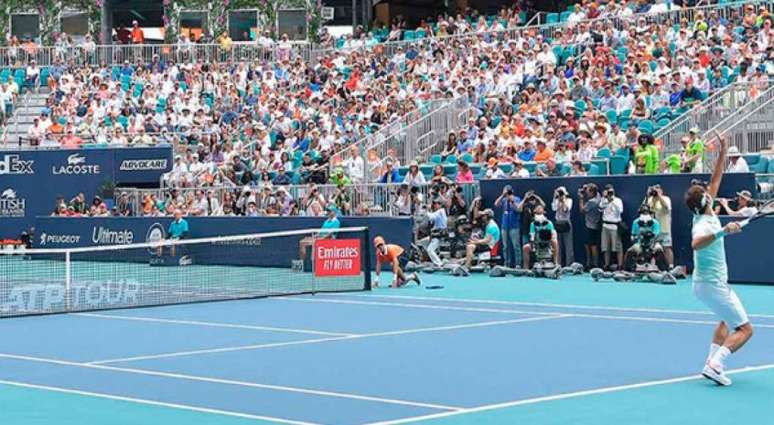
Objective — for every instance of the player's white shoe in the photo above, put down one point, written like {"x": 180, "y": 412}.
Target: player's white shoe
{"x": 716, "y": 375}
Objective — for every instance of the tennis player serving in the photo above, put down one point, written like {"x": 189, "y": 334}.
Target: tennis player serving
{"x": 710, "y": 273}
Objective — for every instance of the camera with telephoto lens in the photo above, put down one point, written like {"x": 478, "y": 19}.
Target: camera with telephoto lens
{"x": 560, "y": 192}
{"x": 653, "y": 190}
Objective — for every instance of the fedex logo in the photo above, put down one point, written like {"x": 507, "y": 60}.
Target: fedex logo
{"x": 13, "y": 164}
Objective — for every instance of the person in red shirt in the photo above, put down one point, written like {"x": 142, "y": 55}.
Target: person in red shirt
{"x": 396, "y": 256}
{"x": 138, "y": 37}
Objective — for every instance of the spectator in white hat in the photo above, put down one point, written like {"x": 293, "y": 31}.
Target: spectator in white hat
{"x": 736, "y": 163}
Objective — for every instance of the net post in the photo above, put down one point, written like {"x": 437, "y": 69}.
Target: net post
{"x": 68, "y": 280}
{"x": 367, "y": 259}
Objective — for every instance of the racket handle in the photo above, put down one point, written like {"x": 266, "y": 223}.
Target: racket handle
{"x": 744, "y": 223}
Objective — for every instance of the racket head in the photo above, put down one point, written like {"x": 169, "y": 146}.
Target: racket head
{"x": 766, "y": 209}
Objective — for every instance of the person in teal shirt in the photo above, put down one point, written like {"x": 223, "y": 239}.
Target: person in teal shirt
{"x": 541, "y": 231}
{"x": 488, "y": 242}
{"x": 330, "y": 224}
{"x": 178, "y": 229}
{"x": 710, "y": 273}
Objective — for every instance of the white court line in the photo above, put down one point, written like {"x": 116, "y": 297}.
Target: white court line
{"x": 475, "y": 309}
{"x": 316, "y": 341}
{"x": 564, "y": 396}
{"x": 246, "y": 384}
{"x": 536, "y": 304}
{"x": 155, "y": 403}
{"x": 219, "y": 350}
{"x": 211, "y": 324}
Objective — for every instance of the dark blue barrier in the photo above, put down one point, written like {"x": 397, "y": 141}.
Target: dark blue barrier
{"x": 631, "y": 189}
{"x": 30, "y": 180}
{"x": 60, "y": 232}
{"x": 749, "y": 254}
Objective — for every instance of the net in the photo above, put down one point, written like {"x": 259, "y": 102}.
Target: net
{"x": 41, "y": 281}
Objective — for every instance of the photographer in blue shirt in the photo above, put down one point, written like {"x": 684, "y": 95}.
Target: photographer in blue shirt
{"x": 509, "y": 223}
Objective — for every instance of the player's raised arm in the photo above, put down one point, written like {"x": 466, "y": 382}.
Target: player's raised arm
{"x": 720, "y": 165}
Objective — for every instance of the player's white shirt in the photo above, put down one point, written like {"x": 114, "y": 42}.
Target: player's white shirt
{"x": 709, "y": 262}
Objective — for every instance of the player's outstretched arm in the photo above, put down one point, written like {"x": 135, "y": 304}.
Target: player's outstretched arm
{"x": 720, "y": 165}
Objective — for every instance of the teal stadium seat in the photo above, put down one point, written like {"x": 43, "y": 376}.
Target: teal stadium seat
{"x": 762, "y": 166}
{"x": 552, "y": 18}
{"x": 618, "y": 165}
{"x": 604, "y": 153}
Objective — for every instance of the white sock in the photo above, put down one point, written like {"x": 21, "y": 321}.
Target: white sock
{"x": 713, "y": 349}
{"x": 719, "y": 359}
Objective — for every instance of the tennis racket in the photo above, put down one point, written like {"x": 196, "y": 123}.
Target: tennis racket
{"x": 764, "y": 210}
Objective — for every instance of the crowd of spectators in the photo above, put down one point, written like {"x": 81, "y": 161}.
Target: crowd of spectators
{"x": 592, "y": 88}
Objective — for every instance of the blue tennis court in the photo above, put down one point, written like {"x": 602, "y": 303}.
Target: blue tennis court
{"x": 481, "y": 350}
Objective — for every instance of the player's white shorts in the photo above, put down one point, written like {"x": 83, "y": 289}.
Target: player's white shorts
{"x": 722, "y": 300}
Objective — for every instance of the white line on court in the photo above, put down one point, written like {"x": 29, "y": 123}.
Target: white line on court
{"x": 536, "y": 304}
{"x": 211, "y": 324}
{"x": 475, "y": 309}
{"x": 155, "y": 403}
{"x": 319, "y": 340}
{"x": 227, "y": 382}
{"x": 564, "y": 396}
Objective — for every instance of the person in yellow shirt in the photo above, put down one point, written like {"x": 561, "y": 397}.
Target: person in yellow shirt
{"x": 225, "y": 41}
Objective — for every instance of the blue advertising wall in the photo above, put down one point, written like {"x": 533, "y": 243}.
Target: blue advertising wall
{"x": 749, "y": 254}
{"x": 30, "y": 180}
{"x": 631, "y": 189}
{"x": 62, "y": 232}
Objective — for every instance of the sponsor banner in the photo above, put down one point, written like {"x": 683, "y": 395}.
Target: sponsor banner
{"x": 13, "y": 164}
{"x": 11, "y": 204}
{"x": 142, "y": 165}
{"x": 337, "y": 257}
{"x": 52, "y": 296}
{"x": 31, "y": 180}
{"x": 72, "y": 232}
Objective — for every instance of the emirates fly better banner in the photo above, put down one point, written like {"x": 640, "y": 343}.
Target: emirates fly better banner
{"x": 337, "y": 257}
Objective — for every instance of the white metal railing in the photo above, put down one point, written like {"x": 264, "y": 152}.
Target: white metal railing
{"x": 117, "y": 54}
{"x": 404, "y": 143}
{"x": 363, "y": 199}
{"x": 750, "y": 129}
{"x": 21, "y": 55}
{"x": 712, "y": 110}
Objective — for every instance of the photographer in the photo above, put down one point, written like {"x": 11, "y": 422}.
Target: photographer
{"x": 343, "y": 199}
{"x": 612, "y": 209}
{"x": 527, "y": 210}
{"x": 439, "y": 230}
{"x": 404, "y": 203}
{"x": 542, "y": 237}
{"x": 661, "y": 207}
{"x": 589, "y": 199}
{"x": 455, "y": 200}
{"x": 487, "y": 243}
{"x": 562, "y": 206}
{"x": 743, "y": 203}
{"x": 509, "y": 223}
{"x": 645, "y": 235}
